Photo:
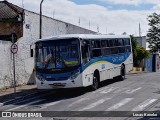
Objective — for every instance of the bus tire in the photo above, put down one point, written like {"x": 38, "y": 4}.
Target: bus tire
{"x": 95, "y": 84}
{"x": 123, "y": 72}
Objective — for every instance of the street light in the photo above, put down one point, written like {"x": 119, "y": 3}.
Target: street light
{"x": 40, "y": 27}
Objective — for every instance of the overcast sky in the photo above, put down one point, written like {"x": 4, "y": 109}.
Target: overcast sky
{"x": 111, "y": 16}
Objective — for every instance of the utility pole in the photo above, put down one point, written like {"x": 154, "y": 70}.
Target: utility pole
{"x": 40, "y": 24}
{"x": 97, "y": 28}
{"x": 22, "y": 4}
{"x": 79, "y": 22}
{"x": 139, "y": 30}
{"x": 53, "y": 13}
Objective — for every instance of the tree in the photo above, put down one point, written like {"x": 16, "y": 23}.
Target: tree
{"x": 134, "y": 44}
{"x": 141, "y": 54}
{"x": 154, "y": 32}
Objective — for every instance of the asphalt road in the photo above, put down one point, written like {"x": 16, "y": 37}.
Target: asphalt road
{"x": 138, "y": 92}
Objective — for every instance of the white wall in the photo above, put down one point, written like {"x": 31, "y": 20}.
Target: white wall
{"x": 24, "y": 63}
{"x": 5, "y": 64}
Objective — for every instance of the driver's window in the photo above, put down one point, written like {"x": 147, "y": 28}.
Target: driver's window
{"x": 85, "y": 51}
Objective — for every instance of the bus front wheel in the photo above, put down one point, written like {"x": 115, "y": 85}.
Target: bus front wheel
{"x": 95, "y": 84}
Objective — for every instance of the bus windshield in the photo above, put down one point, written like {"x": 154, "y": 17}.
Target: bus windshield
{"x": 57, "y": 54}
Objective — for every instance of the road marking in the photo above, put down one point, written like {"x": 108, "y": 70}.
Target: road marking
{"x": 46, "y": 105}
{"x": 78, "y": 101}
{"x": 25, "y": 105}
{"x": 99, "y": 90}
{"x": 94, "y": 104}
{"x": 119, "y": 90}
{"x": 132, "y": 91}
{"x": 146, "y": 103}
{"x": 109, "y": 90}
{"x": 121, "y": 103}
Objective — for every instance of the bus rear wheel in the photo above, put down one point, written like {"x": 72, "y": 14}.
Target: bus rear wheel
{"x": 95, "y": 84}
{"x": 123, "y": 72}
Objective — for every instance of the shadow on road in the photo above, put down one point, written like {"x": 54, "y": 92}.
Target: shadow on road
{"x": 25, "y": 96}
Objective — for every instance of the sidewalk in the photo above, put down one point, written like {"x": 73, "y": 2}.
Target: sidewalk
{"x": 8, "y": 94}
{"x": 137, "y": 72}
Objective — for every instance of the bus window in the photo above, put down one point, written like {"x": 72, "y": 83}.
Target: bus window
{"x": 126, "y": 41}
{"x": 106, "y": 51}
{"x": 96, "y": 52}
{"x": 93, "y": 45}
{"x": 103, "y": 43}
{"x": 128, "y": 48}
{"x": 121, "y": 49}
{"x": 86, "y": 52}
{"x": 98, "y": 44}
{"x": 116, "y": 42}
{"x": 114, "y": 50}
{"x": 111, "y": 43}
{"x": 120, "y": 42}
{"x": 107, "y": 43}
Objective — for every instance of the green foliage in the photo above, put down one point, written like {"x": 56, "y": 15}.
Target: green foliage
{"x": 134, "y": 44}
{"x": 154, "y": 32}
{"x": 139, "y": 52}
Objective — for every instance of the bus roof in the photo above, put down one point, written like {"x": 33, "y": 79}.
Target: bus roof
{"x": 83, "y": 36}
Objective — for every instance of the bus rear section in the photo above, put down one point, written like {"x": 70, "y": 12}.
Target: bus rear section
{"x": 57, "y": 64}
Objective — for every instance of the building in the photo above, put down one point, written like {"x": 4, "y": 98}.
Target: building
{"x": 141, "y": 41}
{"x": 25, "y": 24}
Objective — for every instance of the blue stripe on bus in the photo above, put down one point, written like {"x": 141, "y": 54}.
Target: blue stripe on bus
{"x": 114, "y": 59}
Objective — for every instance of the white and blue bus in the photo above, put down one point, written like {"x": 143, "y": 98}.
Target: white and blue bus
{"x": 81, "y": 60}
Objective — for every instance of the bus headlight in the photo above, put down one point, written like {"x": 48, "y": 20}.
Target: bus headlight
{"x": 74, "y": 75}
{"x": 40, "y": 78}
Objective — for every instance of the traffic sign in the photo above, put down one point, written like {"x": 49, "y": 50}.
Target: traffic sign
{"x": 14, "y": 48}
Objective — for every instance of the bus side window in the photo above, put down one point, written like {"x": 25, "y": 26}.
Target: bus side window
{"x": 121, "y": 49}
{"x": 126, "y": 41}
{"x": 107, "y": 43}
{"x": 128, "y": 49}
{"x": 96, "y": 52}
{"x": 98, "y": 44}
{"x": 111, "y": 43}
{"x": 106, "y": 51}
{"x": 103, "y": 43}
{"x": 120, "y": 42}
{"x": 86, "y": 52}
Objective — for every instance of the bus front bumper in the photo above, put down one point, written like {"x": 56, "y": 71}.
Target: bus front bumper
{"x": 59, "y": 84}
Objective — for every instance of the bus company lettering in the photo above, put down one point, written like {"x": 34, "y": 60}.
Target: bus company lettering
{"x": 118, "y": 59}
{"x": 103, "y": 66}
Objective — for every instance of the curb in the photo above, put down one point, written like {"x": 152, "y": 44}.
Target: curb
{"x": 136, "y": 72}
